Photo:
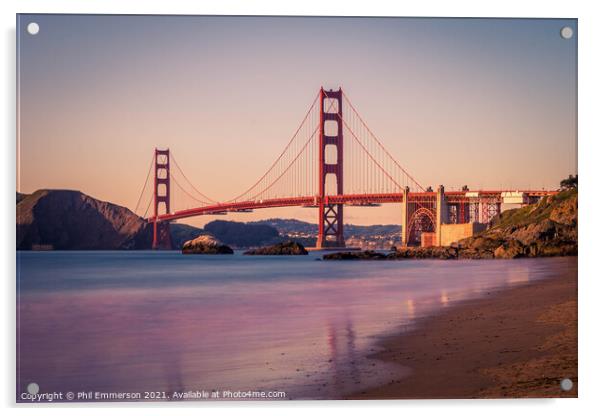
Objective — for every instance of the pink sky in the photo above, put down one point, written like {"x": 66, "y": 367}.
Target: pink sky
{"x": 490, "y": 103}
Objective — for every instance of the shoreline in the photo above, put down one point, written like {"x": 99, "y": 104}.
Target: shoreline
{"x": 515, "y": 342}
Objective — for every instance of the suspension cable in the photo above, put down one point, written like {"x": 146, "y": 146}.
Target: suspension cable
{"x": 281, "y": 154}
{"x": 187, "y": 193}
{"x": 289, "y": 166}
{"x": 189, "y": 182}
{"x": 380, "y": 144}
{"x": 150, "y": 168}
{"x": 369, "y": 154}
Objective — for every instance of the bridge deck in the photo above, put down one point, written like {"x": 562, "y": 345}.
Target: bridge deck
{"x": 348, "y": 199}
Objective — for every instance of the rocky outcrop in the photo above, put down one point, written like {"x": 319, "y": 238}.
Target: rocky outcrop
{"x": 205, "y": 244}
{"x": 510, "y": 249}
{"x": 548, "y": 228}
{"x": 444, "y": 253}
{"x": 289, "y": 248}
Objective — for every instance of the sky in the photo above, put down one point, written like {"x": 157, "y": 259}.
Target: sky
{"x": 488, "y": 103}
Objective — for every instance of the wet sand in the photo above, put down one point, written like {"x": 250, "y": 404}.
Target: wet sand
{"x": 518, "y": 342}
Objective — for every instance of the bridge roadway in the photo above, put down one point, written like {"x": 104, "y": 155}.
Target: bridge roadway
{"x": 346, "y": 199}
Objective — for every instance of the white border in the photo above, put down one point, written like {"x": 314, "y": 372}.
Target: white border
{"x": 590, "y": 136}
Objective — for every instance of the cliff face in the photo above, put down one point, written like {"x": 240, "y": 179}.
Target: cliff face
{"x": 71, "y": 220}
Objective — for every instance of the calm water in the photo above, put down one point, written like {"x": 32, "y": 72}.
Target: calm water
{"x": 160, "y": 321}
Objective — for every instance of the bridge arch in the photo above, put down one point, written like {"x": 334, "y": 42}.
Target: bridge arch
{"x": 421, "y": 221}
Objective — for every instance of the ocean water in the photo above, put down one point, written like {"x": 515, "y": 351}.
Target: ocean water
{"x": 137, "y": 322}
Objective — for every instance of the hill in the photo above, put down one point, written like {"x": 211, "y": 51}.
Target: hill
{"x": 242, "y": 235}
{"x": 21, "y": 197}
{"x": 72, "y": 220}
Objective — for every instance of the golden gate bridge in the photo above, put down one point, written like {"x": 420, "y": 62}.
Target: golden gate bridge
{"x": 332, "y": 160}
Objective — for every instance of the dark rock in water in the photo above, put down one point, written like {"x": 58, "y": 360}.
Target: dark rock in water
{"x": 443, "y": 253}
{"x": 355, "y": 255}
{"x": 181, "y": 233}
{"x": 289, "y": 248}
{"x": 205, "y": 244}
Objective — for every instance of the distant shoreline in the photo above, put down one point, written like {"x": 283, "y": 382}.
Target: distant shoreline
{"x": 492, "y": 347}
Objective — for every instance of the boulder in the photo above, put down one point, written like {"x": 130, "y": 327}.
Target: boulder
{"x": 511, "y": 249}
{"x": 289, "y": 248}
{"x": 480, "y": 243}
{"x": 205, "y": 244}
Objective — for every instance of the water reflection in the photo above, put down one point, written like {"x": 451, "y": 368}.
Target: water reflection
{"x": 343, "y": 355}
{"x": 300, "y": 326}
{"x": 518, "y": 275}
{"x": 411, "y": 309}
{"x": 444, "y": 298}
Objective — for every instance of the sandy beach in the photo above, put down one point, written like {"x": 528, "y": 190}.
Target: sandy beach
{"x": 519, "y": 342}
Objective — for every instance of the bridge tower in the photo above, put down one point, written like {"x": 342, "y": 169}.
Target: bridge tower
{"x": 330, "y": 216}
{"x": 161, "y": 232}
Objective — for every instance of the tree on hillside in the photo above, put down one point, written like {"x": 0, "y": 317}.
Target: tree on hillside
{"x": 569, "y": 183}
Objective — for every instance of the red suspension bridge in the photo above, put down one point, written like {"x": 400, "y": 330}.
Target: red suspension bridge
{"x": 332, "y": 160}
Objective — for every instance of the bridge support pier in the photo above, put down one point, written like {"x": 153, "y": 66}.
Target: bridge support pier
{"x": 161, "y": 231}
{"x": 330, "y": 216}
{"x": 442, "y": 213}
{"x": 404, "y": 216}
{"x": 161, "y": 236}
